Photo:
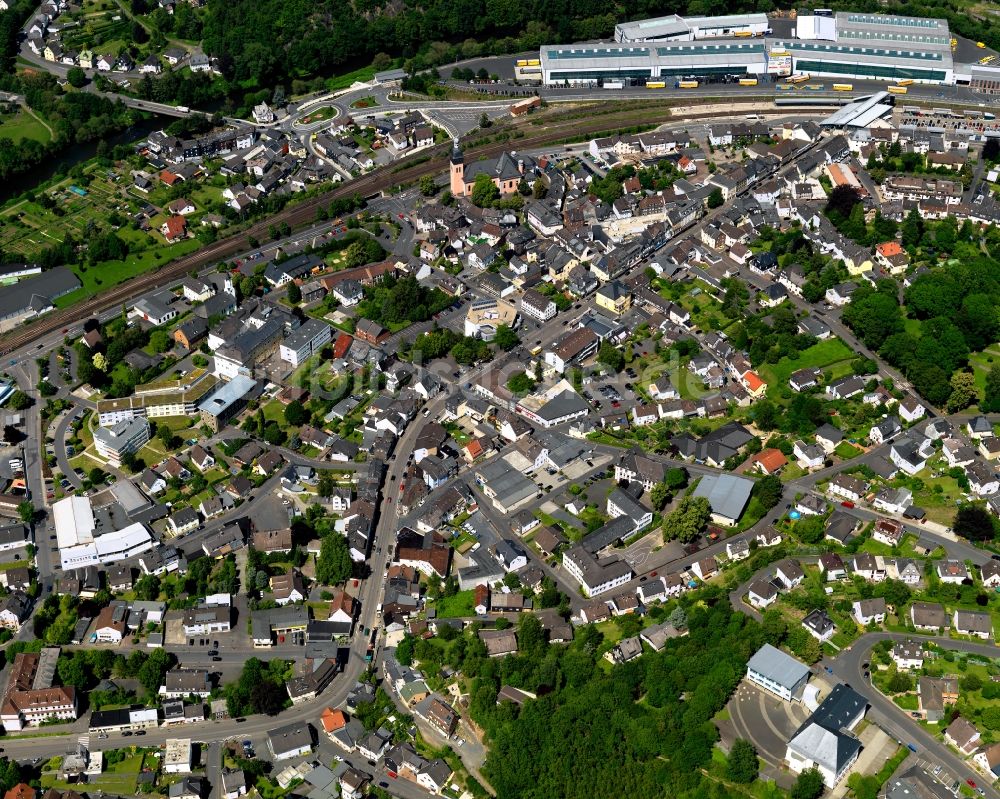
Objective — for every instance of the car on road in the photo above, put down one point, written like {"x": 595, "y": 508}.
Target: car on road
{"x": 847, "y": 503}
{"x": 970, "y": 782}
{"x": 216, "y": 659}
{"x": 127, "y": 734}
{"x": 140, "y": 732}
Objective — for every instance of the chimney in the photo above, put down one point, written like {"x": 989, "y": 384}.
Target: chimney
{"x": 520, "y": 165}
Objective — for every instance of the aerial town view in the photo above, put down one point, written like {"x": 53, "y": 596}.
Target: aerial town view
{"x": 487, "y": 399}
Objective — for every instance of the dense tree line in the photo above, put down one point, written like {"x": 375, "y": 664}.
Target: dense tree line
{"x": 440, "y": 342}
{"x": 588, "y": 733}
{"x": 74, "y": 118}
{"x": 400, "y": 300}
{"x": 792, "y": 247}
{"x": 259, "y": 689}
{"x": 955, "y": 306}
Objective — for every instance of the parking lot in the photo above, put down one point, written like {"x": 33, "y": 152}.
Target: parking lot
{"x": 768, "y": 723}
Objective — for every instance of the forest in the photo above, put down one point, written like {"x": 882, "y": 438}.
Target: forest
{"x": 627, "y": 731}
{"x": 267, "y": 42}
{"x": 74, "y": 118}
{"x": 929, "y": 330}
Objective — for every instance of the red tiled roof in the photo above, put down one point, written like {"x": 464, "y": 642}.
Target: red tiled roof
{"x": 342, "y": 345}
{"x": 176, "y": 226}
{"x": 771, "y": 459}
{"x": 754, "y": 383}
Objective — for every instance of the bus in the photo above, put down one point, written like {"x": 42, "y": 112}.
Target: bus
{"x": 800, "y": 78}
{"x": 743, "y": 34}
{"x": 536, "y": 351}
{"x": 897, "y": 90}
{"x": 748, "y": 81}
{"x": 843, "y": 87}
{"x": 904, "y": 82}
{"x": 656, "y": 84}
{"x": 522, "y": 62}
{"x": 614, "y": 84}
{"x": 785, "y": 88}
{"x": 815, "y": 87}
{"x": 529, "y": 62}
{"x": 687, "y": 84}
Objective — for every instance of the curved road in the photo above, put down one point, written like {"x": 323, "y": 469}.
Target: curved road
{"x": 848, "y": 666}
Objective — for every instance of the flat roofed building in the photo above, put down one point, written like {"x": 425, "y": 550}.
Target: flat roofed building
{"x": 159, "y": 399}
{"x": 218, "y": 408}
{"x": 123, "y": 438}
{"x": 305, "y": 341}
{"x": 177, "y": 757}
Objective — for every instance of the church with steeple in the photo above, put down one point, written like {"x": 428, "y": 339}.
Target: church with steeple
{"x": 505, "y": 172}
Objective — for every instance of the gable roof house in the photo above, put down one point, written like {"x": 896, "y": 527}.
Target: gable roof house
{"x": 928, "y": 616}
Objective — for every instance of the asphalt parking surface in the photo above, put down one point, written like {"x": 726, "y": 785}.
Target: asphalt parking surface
{"x": 766, "y": 721}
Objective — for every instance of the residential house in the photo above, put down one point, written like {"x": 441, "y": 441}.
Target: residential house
{"x": 973, "y": 622}
{"x": 870, "y": 611}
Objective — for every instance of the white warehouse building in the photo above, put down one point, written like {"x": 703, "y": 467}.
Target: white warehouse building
{"x": 846, "y": 45}
{"x": 79, "y": 546}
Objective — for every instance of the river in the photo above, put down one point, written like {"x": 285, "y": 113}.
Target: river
{"x": 74, "y": 155}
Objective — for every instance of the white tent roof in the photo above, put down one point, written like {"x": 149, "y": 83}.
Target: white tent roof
{"x": 74, "y": 520}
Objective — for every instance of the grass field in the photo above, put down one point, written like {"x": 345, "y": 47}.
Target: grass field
{"x": 110, "y": 273}
{"x": 451, "y": 607}
{"x": 322, "y": 113}
{"x": 119, "y": 779}
{"x": 982, "y": 362}
{"x": 832, "y": 353}
{"x": 23, "y": 125}
{"x": 344, "y": 81}
{"x": 846, "y": 450}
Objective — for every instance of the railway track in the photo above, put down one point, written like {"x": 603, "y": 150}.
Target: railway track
{"x": 561, "y": 126}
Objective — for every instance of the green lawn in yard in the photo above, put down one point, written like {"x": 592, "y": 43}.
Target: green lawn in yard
{"x": 846, "y": 450}
{"x": 831, "y": 352}
{"x": 274, "y": 411}
{"x": 906, "y": 701}
{"x": 118, "y": 779}
{"x": 611, "y": 632}
{"x": 981, "y": 362}
{"x": 23, "y": 125}
{"x": 461, "y": 604}
{"x": 940, "y": 505}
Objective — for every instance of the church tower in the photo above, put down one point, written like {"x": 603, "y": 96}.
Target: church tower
{"x": 457, "y": 170}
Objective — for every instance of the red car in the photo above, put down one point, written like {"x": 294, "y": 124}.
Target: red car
{"x": 971, "y": 783}
{"x": 847, "y": 503}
